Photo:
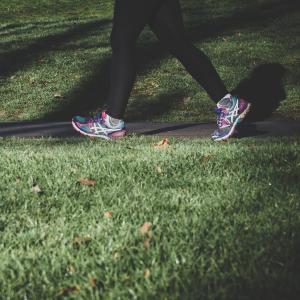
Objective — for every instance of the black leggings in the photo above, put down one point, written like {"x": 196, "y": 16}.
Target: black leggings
{"x": 165, "y": 20}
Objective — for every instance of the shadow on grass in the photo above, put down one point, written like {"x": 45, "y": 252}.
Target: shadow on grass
{"x": 92, "y": 93}
{"x": 255, "y": 16}
{"x": 15, "y": 60}
{"x": 264, "y": 89}
{"x": 89, "y": 95}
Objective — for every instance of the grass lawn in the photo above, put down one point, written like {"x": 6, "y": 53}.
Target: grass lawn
{"x": 88, "y": 219}
{"x": 224, "y": 219}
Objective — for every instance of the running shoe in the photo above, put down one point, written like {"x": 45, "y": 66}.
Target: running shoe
{"x": 230, "y": 111}
{"x": 99, "y": 126}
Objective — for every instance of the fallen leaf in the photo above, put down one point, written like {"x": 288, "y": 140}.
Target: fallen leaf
{"x": 186, "y": 100}
{"x": 163, "y": 143}
{"x": 116, "y": 255}
{"x": 87, "y": 181}
{"x": 58, "y": 96}
{"x": 69, "y": 290}
{"x": 71, "y": 269}
{"x": 147, "y": 242}
{"x": 93, "y": 282}
{"x": 36, "y": 189}
{"x": 205, "y": 157}
{"x": 78, "y": 240}
{"x": 108, "y": 214}
{"x": 159, "y": 170}
{"x": 145, "y": 228}
{"x": 147, "y": 273}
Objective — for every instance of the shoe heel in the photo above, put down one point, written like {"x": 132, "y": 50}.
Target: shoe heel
{"x": 117, "y": 134}
{"x": 244, "y": 113}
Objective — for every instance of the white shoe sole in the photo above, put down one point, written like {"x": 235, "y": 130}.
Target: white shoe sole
{"x": 88, "y": 134}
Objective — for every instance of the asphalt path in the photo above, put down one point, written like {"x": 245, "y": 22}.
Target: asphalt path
{"x": 36, "y": 129}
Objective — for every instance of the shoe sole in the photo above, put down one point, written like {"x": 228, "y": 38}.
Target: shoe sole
{"x": 113, "y": 137}
{"x": 238, "y": 120}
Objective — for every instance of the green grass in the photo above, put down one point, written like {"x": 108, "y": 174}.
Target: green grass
{"x": 62, "y": 47}
{"x": 225, "y": 219}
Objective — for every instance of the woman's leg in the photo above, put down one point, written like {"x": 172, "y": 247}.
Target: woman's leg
{"x": 130, "y": 17}
{"x": 167, "y": 24}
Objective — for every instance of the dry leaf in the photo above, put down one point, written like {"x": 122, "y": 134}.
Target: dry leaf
{"x": 108, "y": 214}
{"x": 87, "y": 181}
{"x": 147, "y": 273}
{"x": 71, "y": 269}
{"x": 58, "y": 96}
{"x": 159, "y": 170}
{"x": 163, "y": 143}
{"x": 147, "y": 243}
{"x": 78, "y": 240}
{"x": 93, "y": 282}
{"x": 69, "y": 290}
{"x": 145, "y": 228}
{"x": 116, "y": 255}
{"x": 36, "y": 189}
{"x": 186, "y": 100}
{"x": 205, "y": 157}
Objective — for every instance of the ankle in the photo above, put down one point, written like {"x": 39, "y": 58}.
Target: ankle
{"x": 112, "y": 122}
{"x": 228, "y": 95}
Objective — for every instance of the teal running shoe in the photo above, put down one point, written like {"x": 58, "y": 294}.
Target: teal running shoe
{"x": 230, "y": 111}
{"x": 99, "y": 126}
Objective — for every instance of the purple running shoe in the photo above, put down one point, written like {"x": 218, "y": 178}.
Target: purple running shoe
{"x": 99, "y": 126}
{"x": 230, "y": 111}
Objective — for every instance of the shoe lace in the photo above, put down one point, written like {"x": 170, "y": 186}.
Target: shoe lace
{"x": 221, "y": 113}
{"x": 94, "y": 119}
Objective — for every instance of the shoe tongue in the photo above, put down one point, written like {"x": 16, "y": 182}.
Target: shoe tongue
{"x": 107, "y": 120}
{"x": 225, "y": 103}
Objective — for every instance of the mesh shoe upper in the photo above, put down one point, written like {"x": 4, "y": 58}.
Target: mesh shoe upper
{"x": 230, "y": 111}
{"x": 98, "y": 126}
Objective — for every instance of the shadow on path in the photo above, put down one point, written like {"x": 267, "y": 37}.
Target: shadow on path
{"x": 38, "y": 129}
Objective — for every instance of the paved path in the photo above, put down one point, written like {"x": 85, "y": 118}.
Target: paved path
{"x": 193, "y": 130}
